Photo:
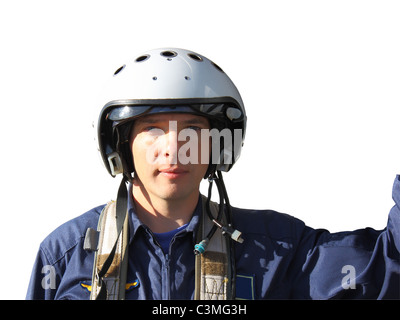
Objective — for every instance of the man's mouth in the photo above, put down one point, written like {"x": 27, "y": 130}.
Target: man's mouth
{"x": 172, "y": 172}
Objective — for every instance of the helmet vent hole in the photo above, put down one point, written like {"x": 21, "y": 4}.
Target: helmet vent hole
{"x": 195, "y": 57}
{"x": 142, "y": 58}
{"x": 217, "y": 66}
{"x": 169, "y": 54}
{"x": 119, "y": 70}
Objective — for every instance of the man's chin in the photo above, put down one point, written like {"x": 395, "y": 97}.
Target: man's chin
{"x": 175, "y": 193}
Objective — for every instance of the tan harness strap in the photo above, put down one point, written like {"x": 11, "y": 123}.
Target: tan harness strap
{"x": 115, "y": 277}
{"x": 213, "y": 270}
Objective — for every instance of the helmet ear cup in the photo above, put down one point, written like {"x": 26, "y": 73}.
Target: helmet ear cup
{"x": 223, "y": 161}
{"x": 123, "y": 146}
{"x": 115, "y": 163}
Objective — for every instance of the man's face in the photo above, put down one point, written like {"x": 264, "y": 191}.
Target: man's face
{"x": 160, "y": 157}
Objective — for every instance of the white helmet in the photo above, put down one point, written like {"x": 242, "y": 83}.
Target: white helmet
{"x": 166, "y": 80}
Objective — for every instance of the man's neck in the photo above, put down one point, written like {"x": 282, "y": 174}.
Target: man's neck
{"x": 163, "y": 215}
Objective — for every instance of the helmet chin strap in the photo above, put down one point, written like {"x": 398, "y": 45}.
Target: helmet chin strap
{"x": 101, "y": 271}
{"x": 227, "y": 230}
{"x": 215, "y": 271}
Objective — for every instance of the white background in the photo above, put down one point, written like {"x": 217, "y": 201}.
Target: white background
{"x": 320, "y": 81}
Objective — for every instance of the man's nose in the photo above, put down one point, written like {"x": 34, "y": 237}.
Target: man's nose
{"x": 170, "y": 146}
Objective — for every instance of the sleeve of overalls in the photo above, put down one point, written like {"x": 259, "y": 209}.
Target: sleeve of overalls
{"x": 362, "y": 264}
{"x": 43, "y": 279}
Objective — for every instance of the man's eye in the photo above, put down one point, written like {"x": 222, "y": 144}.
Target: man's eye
{"x": 153, "y": 131}
{"x": 195, "y": 128}
{"x": 149, "y": 128}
